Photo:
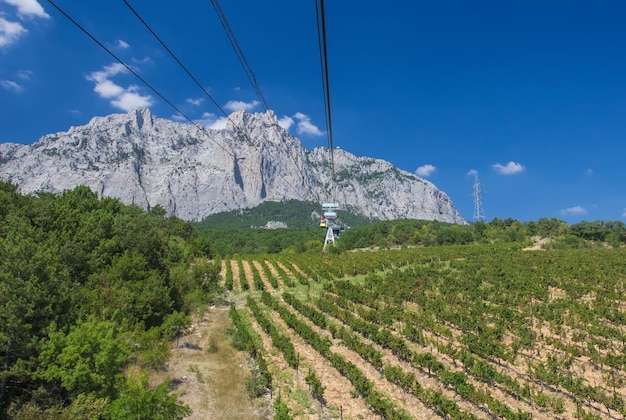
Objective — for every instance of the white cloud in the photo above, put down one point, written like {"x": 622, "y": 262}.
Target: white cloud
{"x": 472, "y": 172}
{"x": 624, "y": 214}
{"x": 305, "y": 126}
{"x": 24, "y": 74}
{"x": 218, "y": 124}
{"x": 285, "y": 122}
{"x": 208, "y": 120}
{"x": 574, "y": 210}
{"x": 122, "y": 98}
{"x": 212, "y": 121}
{"x": 107, "y": 72}
{"x": 144, "y": 60}
{"x": 10, "y": 32}
{"x": 130, "y": 99}
{"x": 425, "y": 170}
{"x": 28, "y": 8}
{"x": 121, "y": 44}
{"x": 10, "y": 85}
{"x": 589, "y": 172}
{"x": 105, "y": 87}
{"x": 195, "y": 102}
{"x": 108, "y": 89}
{"x": 508, "y": 169}
{"x": 240, "y": 105}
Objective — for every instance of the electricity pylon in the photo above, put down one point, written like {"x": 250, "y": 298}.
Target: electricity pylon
{"x": 478, "y": 201}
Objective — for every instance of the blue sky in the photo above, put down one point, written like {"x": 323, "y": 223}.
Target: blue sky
{"x": 531, "y": 96}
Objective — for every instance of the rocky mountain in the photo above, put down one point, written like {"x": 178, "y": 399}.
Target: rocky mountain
{"x": 193, "y": 172}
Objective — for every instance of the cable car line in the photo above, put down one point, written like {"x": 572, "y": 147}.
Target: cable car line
{"x": 159, "y": 94}
{"x": 119, "y": 60}
{"x": 248, "y": 70}
{"x": 245, "y": 65}
{"x": 175, "y": 57}
{"x": 321, "y": 37}
{"x": 329, "y": 219}
{"x": 239, "y": 53}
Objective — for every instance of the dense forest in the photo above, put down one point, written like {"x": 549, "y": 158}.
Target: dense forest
{"x": 240, "y": 232}
{"x": 293, "y": 213}
{"x": 92, "y": 291}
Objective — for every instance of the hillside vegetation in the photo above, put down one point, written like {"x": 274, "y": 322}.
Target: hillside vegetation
{"x": 91, "y": 293}
{"x": 240, "y": 232}
{"x": 427, "y": 320}
{"x": 294, "y": 213}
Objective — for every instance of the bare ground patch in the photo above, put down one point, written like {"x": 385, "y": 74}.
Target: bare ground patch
{"x": 236, "y": 280}
{"x": 222, "y": 273}
{"x": 289, "y": 273}
{"x": 209, "y": 374}
{"x": 247, "y": 271}
{"x": 264, "y": 279}
{"x": 274, "y": 272}
{"x": 299, "y": 270}
{"x": 538, "y": 244}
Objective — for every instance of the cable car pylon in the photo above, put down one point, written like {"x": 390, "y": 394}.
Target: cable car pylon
{"x": 329, "y": 218}
{"x": 328, "y": 221}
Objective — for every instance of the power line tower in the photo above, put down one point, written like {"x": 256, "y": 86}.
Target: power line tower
{"x": 478, "y": 201}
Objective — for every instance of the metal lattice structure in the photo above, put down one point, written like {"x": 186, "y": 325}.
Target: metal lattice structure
{"x": 479, "y": 214}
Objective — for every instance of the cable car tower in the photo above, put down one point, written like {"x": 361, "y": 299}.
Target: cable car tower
{"x": 329, "y": 218}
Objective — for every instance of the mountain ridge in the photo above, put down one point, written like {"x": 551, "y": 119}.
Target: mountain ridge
{"x": 193, "y": 171}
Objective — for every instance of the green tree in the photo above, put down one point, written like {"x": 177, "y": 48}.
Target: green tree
{"x": 551, "y": 227}
{"x": 33, "y": 293}
{"x": 88, "y": 359}
{"x": 158, "y": 211}
{"x": 138, "y": 401}
{"x": 594, "y": 231}
{"x": 129, "y": 289}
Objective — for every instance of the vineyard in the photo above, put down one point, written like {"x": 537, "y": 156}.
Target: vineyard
{"x": 460, "y": 332}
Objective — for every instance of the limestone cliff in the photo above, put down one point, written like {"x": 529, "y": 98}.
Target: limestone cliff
{"x": 193, "y": 172}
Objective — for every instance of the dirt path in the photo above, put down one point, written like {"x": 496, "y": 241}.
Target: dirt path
{"x": 247, "y": 271}
{"x": 211, "y": 378}
{"x": 288, "y": 272}
{"x": 234, "y": 268}
{"x": 222, "y": 273}
{"x": 299, "y": 270}
{"x": 538, "y": 244}
{"x": 274, "y": 271}
{"x": 266, "y": 283}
